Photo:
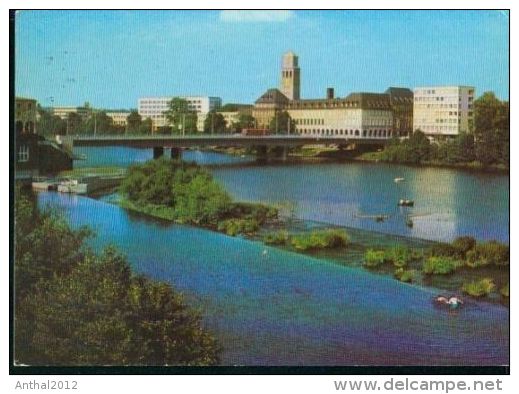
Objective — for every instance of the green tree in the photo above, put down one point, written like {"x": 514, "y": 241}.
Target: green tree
{"x": 146, "y": 126}
{"x": 100, "y": 123}
{"x": 180, "y": 117}
{"x": 282, "y": 123}
{"x": 76, "y": 308}
{"x": 214, "y": 123}
{"x": 491, "y": 129}
{"x": 49, "y": 124}
{"x": 134, "y": 121}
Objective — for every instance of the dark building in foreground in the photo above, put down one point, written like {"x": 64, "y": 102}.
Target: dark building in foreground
{"x": 35, "y": 155}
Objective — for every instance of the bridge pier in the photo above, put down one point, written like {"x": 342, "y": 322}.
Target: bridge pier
{"x": 158, "y": 152}
{"x": 261, "y": 154}
{"x": 284, "y": 153}
{"x": 176, "y": 154}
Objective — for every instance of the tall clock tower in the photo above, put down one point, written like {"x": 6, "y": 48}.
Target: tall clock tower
{"x": 290, "y": 76}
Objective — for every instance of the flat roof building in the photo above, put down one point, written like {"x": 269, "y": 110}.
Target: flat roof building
{"x": 443, "y": 110}
{"x": 154, "y": 108}
{"x": 119, "y": 118}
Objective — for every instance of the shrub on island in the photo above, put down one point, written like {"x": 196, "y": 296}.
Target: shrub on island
{"x": 404, "y": 275}
{"x": 480, "y": 288}
{"x": 280, "y": 237}
{"x": 436, "y": 265}
{"x": 374, "y": 258}
{"x": 320, "y": 239}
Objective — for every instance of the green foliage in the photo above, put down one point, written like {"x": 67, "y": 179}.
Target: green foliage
{"x": 399, "y": 256}
{"x": 505, "y": 290}
{"x": 187, "y": 193}
{"x": 479, "y": 288}
{"x": 146, "y": 126}
{"x": 280, "y": 237}
{"x": 374, "y": 258}
{"x": 134, "y": 121}
{"x": 438, "y": 265}
{"x": 320, "y": 239}
{"x": 76, "y": 308}
{"x": 489, "y": 253}
{"x": 234, "y": 227}
{"x": 214, "y": 123}
{"x": 492, "y": 130}
{"x": 414, "y": 150}
{"x": 49, "y": 124}
{"x": 460, "y": 149}
{"x": 443, "y": 249}
{"x": 404, "y": 275}
{"x": 180, "y": 117}
{"x": 464, "y": 245}
{"x": 281, "y": 123}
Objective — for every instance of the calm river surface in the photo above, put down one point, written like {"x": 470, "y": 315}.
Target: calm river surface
{"x": 273, "y": 307}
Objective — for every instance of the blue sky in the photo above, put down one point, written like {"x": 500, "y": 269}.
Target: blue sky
{"x": 111, "y": 58}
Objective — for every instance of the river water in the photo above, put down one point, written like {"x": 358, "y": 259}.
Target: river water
{"x": 273, "y": 307}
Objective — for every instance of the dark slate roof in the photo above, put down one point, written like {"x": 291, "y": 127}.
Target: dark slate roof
{"x": 370, "y": 100}
{"x": 272, "y": 96}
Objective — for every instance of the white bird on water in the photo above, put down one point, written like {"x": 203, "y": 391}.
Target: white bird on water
{"x": 265, "y": 252}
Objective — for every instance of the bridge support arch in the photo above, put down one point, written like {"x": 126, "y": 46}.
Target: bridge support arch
{"x": 158, "y": 152}
{"x": 176, "y": 154}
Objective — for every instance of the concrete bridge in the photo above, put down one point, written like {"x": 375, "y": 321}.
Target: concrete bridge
{"x": 176, "y": 142}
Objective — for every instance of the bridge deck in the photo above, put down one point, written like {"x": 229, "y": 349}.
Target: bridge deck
{"x": 214, "y": 140}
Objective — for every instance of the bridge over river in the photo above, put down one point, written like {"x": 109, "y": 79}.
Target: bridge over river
{"x": 177, "y": 142}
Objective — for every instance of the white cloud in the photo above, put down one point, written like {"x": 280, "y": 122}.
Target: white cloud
{"x": 256, "y": 16}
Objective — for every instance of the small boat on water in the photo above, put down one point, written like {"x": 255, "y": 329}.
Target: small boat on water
{"x": 406, "y": 203}
{"x": 409, "y": 222}
{"x": 399, "y": 179}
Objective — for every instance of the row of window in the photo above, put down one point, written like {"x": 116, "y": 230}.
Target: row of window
{"x": 352, "y": 133}
{"x": 469, "y": 106}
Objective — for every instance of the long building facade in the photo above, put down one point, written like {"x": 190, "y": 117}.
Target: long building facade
{"x": 154, "y": 108}
{"x": 443, "y": 110}
{"x": 358, "y": 115}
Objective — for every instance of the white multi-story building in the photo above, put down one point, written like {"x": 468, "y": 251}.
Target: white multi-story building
{"x": 119, "y": 118}
{"x": 154, "y": 108}
{"x": 443, "y": 110}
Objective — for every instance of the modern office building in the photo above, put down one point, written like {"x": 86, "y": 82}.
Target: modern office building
{"x": 443, "y": 110}
{"x": 119, "y": 118}
{"x": 154, "y": 108}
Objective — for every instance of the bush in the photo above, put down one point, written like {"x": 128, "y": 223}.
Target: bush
{"x": 399, "y": 256}
{"x": 440, "y": 265}
{"x": 374, "y": 258}
{"x": 234, "y": 227}
{"x": 491, "y": 253}
{"x": 320, "y": 239}
{"x": 443, "y": 249}
{"x": 463, "y": 245}
{"x": 479, "y": 288}
{"x": 277, "y": 238}
{"x": 505, "y": 290}
{"x": 404, "y": 275}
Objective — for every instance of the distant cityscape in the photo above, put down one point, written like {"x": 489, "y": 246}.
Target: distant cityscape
{"x": 436, "y": 111}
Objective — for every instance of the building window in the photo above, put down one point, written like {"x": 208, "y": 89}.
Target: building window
{"x": 23, "y": 154}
